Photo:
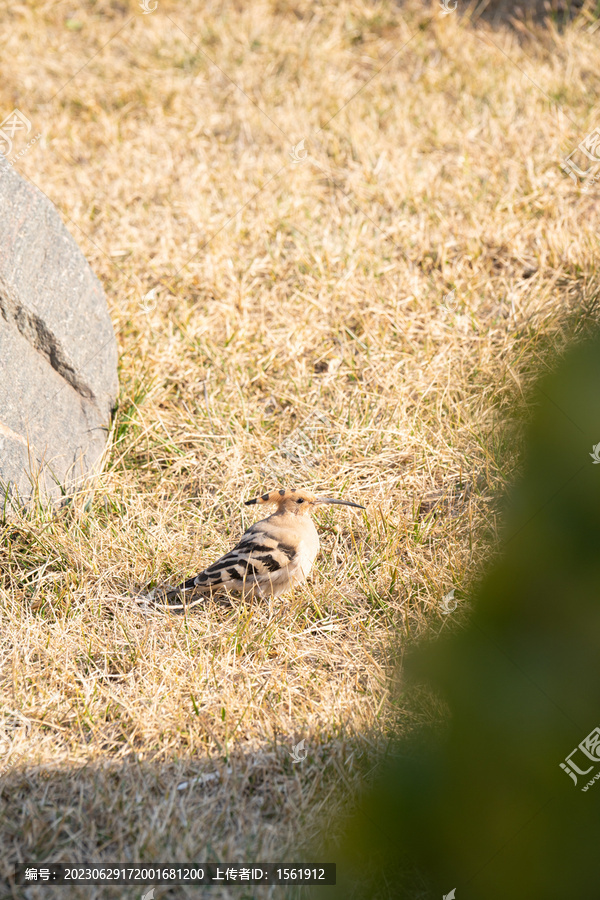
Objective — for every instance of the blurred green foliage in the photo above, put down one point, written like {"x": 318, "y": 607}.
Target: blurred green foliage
{"x": 482, "y": 806}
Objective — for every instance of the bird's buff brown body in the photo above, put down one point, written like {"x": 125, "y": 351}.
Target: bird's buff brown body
{"x": 271, "y": 557}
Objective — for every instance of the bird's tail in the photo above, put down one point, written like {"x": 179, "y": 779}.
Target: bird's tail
{"x": 177, "y": 599}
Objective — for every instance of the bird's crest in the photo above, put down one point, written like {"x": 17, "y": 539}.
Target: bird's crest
{"x": 280, "y": 495}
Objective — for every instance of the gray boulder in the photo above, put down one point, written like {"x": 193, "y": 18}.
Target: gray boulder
{"x": 58, "y": 354}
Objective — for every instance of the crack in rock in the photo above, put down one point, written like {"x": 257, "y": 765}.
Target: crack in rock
{"x": 36, "y": 332}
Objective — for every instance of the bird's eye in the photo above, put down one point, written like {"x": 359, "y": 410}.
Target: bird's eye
{"x": 300, "y": 501}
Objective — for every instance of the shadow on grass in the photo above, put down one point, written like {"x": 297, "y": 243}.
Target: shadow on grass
{"x": 512, "y": 12}
{"x": 246, "y": 810}
{"x": 111, "y": 812}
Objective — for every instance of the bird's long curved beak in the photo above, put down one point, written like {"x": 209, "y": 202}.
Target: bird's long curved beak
{"x": 339, "y": 502}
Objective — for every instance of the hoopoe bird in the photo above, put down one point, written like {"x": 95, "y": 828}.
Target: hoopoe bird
{"x": 272, "y": 556}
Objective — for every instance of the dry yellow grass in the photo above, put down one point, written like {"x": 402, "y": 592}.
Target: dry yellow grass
{"x": 299, "y": 337}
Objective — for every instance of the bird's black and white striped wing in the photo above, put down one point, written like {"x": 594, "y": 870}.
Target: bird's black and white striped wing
{"x": 257, "y": 564}
{"x": 258, "y": 559}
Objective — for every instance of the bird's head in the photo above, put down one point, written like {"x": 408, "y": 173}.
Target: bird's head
{"x": 298, "y": 502}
